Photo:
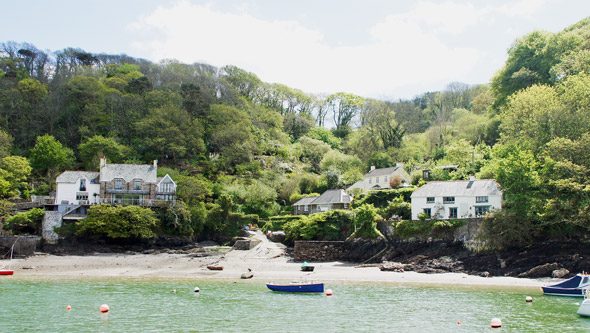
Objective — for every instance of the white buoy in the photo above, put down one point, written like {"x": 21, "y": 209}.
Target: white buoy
{"x": 496, "y": 322}
{"x": 329, "y": 292}
{"x": 197, "y": 289}
{"x": 529, "y": 299}
{"x": 104, "y": 308}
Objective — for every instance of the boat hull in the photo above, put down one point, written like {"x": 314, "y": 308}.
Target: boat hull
{"x": 563, "y": 292}
{"x": 6, "y": 272}
{"x": 584, "y": 309}
{"x": 297, "y": 288}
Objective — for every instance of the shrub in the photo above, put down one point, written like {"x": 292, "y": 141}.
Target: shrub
{"x": 25, "y": 222}
{"x": 332, "y": 225}
{"x": 397, "y": 207}
{"x": 118, "y": 222}
{"x": 366, "y": 218}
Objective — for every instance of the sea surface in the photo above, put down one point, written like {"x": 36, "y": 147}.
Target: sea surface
{"x": 171, "y": 305}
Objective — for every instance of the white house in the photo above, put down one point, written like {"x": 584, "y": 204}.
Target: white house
{"x": 121, "y": 184}
{"x": 378, "y": 179}
{"x": 457, "y": 199}
{"x": 77, "y": 188}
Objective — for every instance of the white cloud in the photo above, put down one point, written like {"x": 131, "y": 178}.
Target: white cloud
{"x": 406, "y": 49}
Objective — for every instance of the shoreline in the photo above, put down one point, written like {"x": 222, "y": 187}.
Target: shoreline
{"x": 234, "y": 263}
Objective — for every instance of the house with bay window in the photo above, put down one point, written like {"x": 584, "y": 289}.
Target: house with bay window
{"x": 458, "y": 199}
{"x": 118, "y": 184}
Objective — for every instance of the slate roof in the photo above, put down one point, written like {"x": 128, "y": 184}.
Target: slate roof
{"x": 458, "y": 188}
{"x": 305, "y": 201}
{"x": 160, "y": 179}
{"x": 73, "y": 176}
{"x": 146, "y": 172}
{"x": 333, "y": 196}
{"x": 381, "y": 172}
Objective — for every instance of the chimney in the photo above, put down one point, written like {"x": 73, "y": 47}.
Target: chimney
{"x": 399, "y": 164}
{"x": 155, "y": 163}
{"x": 471, "y": 178}
{"x": 103, "y": 161}
{"x": 372, "y": 167}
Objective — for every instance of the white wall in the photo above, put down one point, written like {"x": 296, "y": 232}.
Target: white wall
{"x": 68, "y": 191}
{"x": 464, "y": 205}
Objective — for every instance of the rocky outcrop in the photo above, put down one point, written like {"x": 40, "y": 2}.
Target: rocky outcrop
{"x": 540, "y": 271}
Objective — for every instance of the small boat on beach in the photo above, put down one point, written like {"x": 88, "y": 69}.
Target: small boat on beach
{"x": 574, "y": 286}
{"x": 215, "y": 268}
{"x": 297, "y": 287}
{"x": 306, "y": 267}
{"x": 6, "y": 272}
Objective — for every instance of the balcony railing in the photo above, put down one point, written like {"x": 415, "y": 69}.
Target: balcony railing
{"x": 136, "y": 202}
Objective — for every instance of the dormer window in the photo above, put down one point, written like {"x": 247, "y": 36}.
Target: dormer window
{"x": 137, "y": 185}
{"x": 118, "y": 184}
{"x": 82, "y": 185}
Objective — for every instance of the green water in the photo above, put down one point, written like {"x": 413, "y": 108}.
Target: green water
{"x": 235, "y": 306}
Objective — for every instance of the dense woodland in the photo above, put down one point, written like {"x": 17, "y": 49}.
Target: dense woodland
{"x": 244, "y": 150}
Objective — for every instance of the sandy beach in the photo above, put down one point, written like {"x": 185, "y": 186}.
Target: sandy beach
{"x": 267, "y": 261}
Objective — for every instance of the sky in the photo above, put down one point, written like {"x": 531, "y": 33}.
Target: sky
{"x": 383, "y": 49}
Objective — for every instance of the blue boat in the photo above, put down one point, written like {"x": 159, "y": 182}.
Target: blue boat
{"x": 298, "y": 287}
{"x": 574, "y": 286}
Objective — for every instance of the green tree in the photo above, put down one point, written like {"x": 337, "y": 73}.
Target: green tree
{"x": 49, "y": 155}
{"x": 98, "y": 146}
{"x": 15, "y": 170}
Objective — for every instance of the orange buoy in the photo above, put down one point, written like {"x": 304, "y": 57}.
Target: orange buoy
{"x": 104, "y": 308}
{"x": 69, "y": 307}
{"x": 496, "y": 322}
{"x": 458, "y": 323}
{"x": 329, "y": 292}
{"x": 529, "y": 299}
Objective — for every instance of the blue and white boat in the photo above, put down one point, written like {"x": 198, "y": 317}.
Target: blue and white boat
{"x": 574, "y": 286}
{"x": 297, "y": 287}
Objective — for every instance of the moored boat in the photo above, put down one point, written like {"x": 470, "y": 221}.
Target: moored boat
{"x": 6, "y": 272}
{"x": 574, "y": 286}
{"x": 306, "y": 267}
{"x": 584, "y": 309}
{"x": 297, "y": 287}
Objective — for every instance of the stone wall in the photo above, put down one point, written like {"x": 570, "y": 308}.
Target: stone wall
{"x": 51, "y": 219}
{"x": 23, "y": 245}
{"x": 318, "y": 251}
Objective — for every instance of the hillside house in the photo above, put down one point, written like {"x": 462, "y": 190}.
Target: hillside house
{"x": 120, "y": 184}
{"x": 458, "y": 199}
{"x": 329, "y": 200}
{"x": 378, "y": 179}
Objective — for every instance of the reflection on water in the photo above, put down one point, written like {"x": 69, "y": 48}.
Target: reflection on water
{"x": 152, "y": 305}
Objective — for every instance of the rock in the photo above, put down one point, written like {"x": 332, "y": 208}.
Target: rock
{"x": 277, "y": 236}
{"x": 484, "y": 274}
{"x": 392, "y": 266}
{"x": 560, "y": 273}
{"x": 540, "y": 271}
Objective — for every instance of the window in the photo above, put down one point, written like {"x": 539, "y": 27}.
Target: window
{"x": 481, "y": 210}
{"x": 453, "y": 212}
{"x": 82, "y": 196}
{"x": 166, "y": 187}
{"x": 305, "y": 208}
{"x": 427, "y": 211}
{"x": 385, "y": 179}
{"x": 345, "y": 206}
{"x": 481, "y": 199}
{"x": 118, "y": 184}
{"x": 370, "y": 181}
{"x": 448, "y": 200}
{"x": 137, "y": 185}
{"x": 430, "y": 200}
{"x": 377, "y": 180}
{"x": 82, "y": 184}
